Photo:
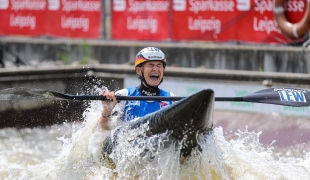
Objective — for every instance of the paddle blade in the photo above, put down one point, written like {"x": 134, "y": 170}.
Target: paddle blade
{"x": 29, "y": 94}
{"x": 281, "y": 96}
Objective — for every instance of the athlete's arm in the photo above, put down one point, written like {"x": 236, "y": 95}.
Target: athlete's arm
{"x": 106, "y": 113}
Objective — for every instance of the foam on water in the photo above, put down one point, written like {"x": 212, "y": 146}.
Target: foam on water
{"x": 72, "y": 151}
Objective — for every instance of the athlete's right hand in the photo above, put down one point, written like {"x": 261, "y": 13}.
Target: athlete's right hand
{"x": 108, "y": 104}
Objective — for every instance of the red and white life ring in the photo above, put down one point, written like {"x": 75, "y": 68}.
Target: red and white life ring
{"x": 291, "y": 30}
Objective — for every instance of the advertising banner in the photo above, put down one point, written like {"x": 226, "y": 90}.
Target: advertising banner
{"x": 74, "y": 18}
{"x": 231, "y": 20}
{"x": 22, "y": 17}
{"x": 140, "y": 19}
{"x": 211, "y": 20}
{"x": 251, "y": 21}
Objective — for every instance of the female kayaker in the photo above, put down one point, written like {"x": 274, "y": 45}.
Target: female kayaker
{"x": 150, "y": 64}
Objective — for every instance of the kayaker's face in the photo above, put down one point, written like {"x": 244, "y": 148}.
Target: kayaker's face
{"x": 153, "y": 72}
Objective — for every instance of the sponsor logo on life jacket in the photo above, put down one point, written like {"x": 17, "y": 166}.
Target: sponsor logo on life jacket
{"x": 134, "y": 103}
{"x": 147, "y": 93}
{"x": 163, "y": 104}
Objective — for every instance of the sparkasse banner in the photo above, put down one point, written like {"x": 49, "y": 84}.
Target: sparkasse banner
{"x": 250, "y": 21}
{"x": 206, "y": 20}
{"x": 62, "y": 18}
{"x": 74, "y": 18}
{"x": 140, "y": 19}
{"x": 230, "y": 20}
{"x": 22, "y": 17}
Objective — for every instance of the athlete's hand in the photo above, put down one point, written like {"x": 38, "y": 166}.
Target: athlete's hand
{"x": 108, "y": 104}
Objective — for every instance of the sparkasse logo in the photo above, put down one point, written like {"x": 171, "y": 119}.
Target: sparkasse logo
{"x": 119, "y": 5}
{"x": 179, "y": 5}
{"x": 4, "y": 4}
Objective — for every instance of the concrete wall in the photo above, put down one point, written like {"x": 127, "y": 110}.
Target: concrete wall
{"x": 41, "y": 112}
{"x": 263, "y": 58}
{"x": 73, "y": 79}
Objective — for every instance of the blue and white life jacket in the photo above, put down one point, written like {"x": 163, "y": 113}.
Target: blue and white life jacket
{"x": 134, "y": 109}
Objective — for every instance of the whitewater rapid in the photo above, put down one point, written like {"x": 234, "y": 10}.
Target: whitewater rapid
{"x": 72, "y": 151}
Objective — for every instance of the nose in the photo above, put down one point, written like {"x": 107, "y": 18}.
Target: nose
{"x": 155, "y": 68}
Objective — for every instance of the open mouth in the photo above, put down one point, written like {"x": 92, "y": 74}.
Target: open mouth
{"x": 154, "y": 76}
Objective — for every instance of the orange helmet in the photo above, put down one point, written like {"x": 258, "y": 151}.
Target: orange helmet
{"x": 150, "y": 54}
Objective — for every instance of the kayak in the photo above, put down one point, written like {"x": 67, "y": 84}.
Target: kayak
{"x": 182, "y": 123}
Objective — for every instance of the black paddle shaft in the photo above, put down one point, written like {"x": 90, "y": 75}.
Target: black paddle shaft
{"x": 149, "y": 98}
{"x": 280, "y": 96}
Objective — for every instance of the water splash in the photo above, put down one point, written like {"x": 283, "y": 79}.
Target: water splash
{"x": 72, "y": 151}
{"x": 248, "y": 159}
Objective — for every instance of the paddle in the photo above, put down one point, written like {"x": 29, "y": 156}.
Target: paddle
{"x": 280, "y": 96}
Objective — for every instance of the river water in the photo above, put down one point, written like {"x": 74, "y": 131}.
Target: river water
{"x": 242, "y": 147}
